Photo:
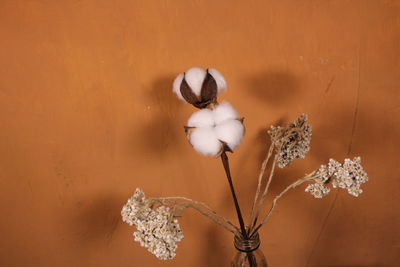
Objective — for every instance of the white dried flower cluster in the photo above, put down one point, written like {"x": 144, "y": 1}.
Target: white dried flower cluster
{"x": 198, "y": 86}
{"x": 209, "y": 130}
{"x": 135, "y": 209}
{"x": 350, "y": 175}
{"x": 292, "y": 141}
{"x": 157, "y": 230}
{"x": 318, "y": 190}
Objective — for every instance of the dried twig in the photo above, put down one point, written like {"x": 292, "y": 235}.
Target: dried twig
{"x": 195, "y": 202}
{"x": 260, "y": 176}
{"x": 291, "y": 186}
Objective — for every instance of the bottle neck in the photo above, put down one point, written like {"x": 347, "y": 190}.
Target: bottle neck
{"x": 246, "y": 245}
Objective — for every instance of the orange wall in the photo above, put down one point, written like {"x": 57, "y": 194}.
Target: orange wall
{"x": 87, "y": 115}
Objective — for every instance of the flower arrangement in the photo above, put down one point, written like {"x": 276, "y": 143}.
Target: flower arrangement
{"x": 215, "y": 130}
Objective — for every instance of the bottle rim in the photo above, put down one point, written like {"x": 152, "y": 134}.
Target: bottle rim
{"x": 246, "y": 245}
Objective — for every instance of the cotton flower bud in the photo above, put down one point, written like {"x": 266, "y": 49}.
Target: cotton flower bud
{"x": 210, "y": 132}
{"x": 199, "y": 87}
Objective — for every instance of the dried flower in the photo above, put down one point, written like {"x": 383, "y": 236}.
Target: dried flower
{"x": 292, "y": 141}
{"x": 318, "y": 190}
{"x": 211, "y": 131}
{"x": 350, "y": 175}
{"x": 157, "y": 229}
{"x": 136, "y": 208}
{"x": 199, "y": 87}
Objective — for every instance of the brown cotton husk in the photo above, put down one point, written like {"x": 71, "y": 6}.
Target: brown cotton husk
{"x": 209, "y": 89}
{"x": 208, "y": 93}
{"x": 187, "y": 93}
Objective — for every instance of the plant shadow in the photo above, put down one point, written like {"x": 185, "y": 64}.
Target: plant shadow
{"x": 163, "y": 130}
{"x": 273, "y": 87}
{"x": 97, "y": 222}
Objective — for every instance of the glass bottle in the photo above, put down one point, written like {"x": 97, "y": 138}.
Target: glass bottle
{"x": 248, "y": 254}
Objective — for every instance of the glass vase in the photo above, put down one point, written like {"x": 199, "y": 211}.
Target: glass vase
{"x": 248, "y": 253}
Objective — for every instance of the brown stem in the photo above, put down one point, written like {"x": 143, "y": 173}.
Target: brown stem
{"x": 225, "y": 162}
{"x": 252, "y": 259}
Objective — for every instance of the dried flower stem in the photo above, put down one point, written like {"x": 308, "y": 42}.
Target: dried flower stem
{"x": 264, "y": 195}
{"x": 199, "y": 203}
{"x": 306, "y": 178}
{"x": 260, "y": 176}
{"x": 211, "y": 217}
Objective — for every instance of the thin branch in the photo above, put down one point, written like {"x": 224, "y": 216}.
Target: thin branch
{"x": 211, "y": 217}
{"x": 182, "y": 206}
{"x": 260, "y": 176}
{"x": 264, "y": 195}
{"x": 204, "y": 205}
{"x": 274, "y": 202}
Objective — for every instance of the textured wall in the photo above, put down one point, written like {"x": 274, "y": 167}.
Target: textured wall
{"x": 87, "y": 115}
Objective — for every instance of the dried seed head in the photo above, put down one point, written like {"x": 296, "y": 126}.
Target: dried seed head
{"x": 157, "y": 229}
{"x": 292, "y": 141}
{"x": 350, "y": 175}
{"x": 317, "y": 190}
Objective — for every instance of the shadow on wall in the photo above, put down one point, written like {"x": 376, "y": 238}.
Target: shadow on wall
{"x": 273, "y": 87}
{"x": 213, "y": 253}
{"x": 365, "y": 139}
{"x": 277, "y": 88}
{"x": 163, "y": 127}
{"x": 97, "y": 222}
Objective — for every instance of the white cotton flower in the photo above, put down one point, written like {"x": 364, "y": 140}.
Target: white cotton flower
{"x": 204, "y": 140}
{"x": 195, "y": 77}
{"x": 176, "y": 86}
{"x": 199, "y": 87}
{"x": 221, "y": 83}
{"x": 225, "y": 111}
{"x": 230, "y": 132}
{"x": 202, "y": 118}
{"x": 209, "y": 129}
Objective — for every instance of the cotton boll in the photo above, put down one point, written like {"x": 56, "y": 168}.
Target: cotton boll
{"x": 176, "y": 86}
{"x": 231, "y": 132}
{"x": 224, "y": 111}
{"x": 205, "y": 141}
{"x": 202, "y": 118}
{"x": 221, "y": 83}
{"x": 195, "y": 78}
